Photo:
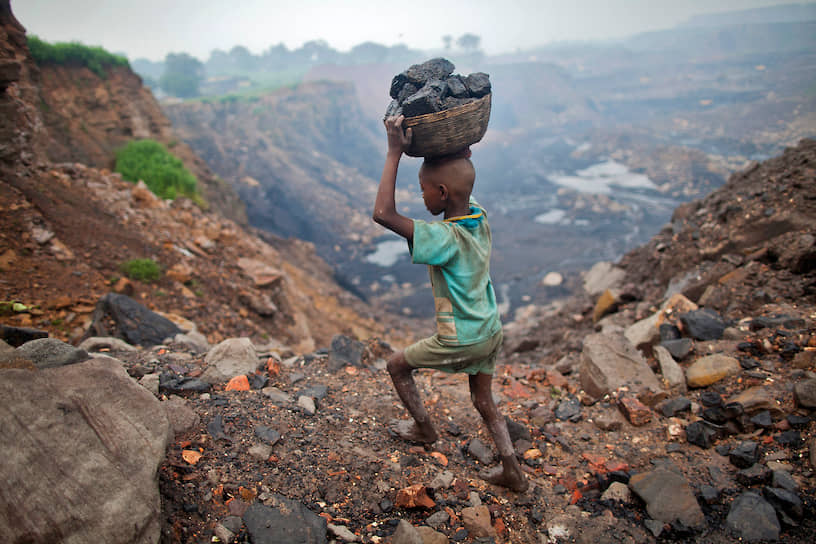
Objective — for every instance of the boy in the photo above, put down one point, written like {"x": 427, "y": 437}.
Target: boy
{"x": 457, "y": 251}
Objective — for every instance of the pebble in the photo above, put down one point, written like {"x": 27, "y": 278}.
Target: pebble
{"x": 752, "y": 518}
{"x": 668, "y": 497}
{"x": 260, "y": 452}
{"x": 443, "y": 480}
{"x": 804, "y": 393}
{"x": 618, "y": 492}
{"x": 711, "y": 369}
{"x": 406, "y": 534}
{"x": 476, "y": 520}
{"x": 569, "y": 409}
{"x": 307, "y": 404}
{"x": 343, "y": 533}
{"x": 437, "y": 519}
{"x": 479, "y": 451}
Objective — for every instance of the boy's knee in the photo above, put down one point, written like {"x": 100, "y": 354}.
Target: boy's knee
{"x": 397, "y": 364}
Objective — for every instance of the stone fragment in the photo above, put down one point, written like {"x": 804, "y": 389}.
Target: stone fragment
{"x": 668, "y": 497}
{"x": 238, "y": 383}
{"x": 752, "y": 519}
{"x": 276, "y": 396}
{"x": 479, "y": 451}
{"x": 672, "y": 372}
{"x": 755, "y": 399}
{"x": 342, "y": 533}
{"x": 287, "y": 521}
{"x": 635, "y": 411}
{"x": 783, "y": 479}
{"x": 345, "y": 351}
{"x": 50, "y": 352}
{"x": 151, "y": 383}
{"x": 804, "y": 393}
{"x": 674, "y": 406}
{"x": 429, "y": 536}
{"x": 230, "y": 358}
{"x": 680, "y": 348}
{"x": 267, "y": 434}
{"x": 644, "y": 332}
{"x": 307, "y": 404}
{"x": 260, "y": 303}
{"x": 608, "y": 421}
{"x": 745, "y": 454}
{"x": 406, "y": 534}
{"x": 478, "y": 84}
{"x": 99, "y": 343}
{"x": 182, "y": 418}
{"x": 83, "y": 462}
{"x": 756, "y": 474}
{"x": 701, "y": 433}
{"x": 415, "y": 496}
{"x": 787, "y": 504}
{"x": 261, "y": 273}
{"x": 703, "y": 324}
{"x": 443, "y": 480}
{"x": 618, "y": 492}
{"x": 476, "y": 520}
{"x": 609, "y": 361}
{"x": 711, "y": 369}
{"x": 569, "y": 409}
{"x": 607, "y": 303}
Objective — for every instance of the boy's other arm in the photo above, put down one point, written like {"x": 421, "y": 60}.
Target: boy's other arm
{"x": 385, "y": 207}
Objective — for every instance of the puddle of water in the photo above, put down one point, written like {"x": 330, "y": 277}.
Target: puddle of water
{"x": 388, "y": 253}
{"x": 601, "y": 177}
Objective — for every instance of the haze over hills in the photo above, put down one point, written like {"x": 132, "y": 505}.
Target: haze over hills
{"x": 589, "y": 149}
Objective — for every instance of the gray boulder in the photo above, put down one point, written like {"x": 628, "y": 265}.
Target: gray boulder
{"x": 50, "y": 352}
{"x": 82, "y": 464}
{"x": 609, "y": 361}
{"x": 668, "y": 497}
{"x": 230, "y": 358}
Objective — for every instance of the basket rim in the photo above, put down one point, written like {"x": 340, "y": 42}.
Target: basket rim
{"x": 445, "y": 114}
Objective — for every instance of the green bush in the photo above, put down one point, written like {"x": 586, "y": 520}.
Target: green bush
{"x": 146, "y": 270}
{"x": 162, "y": 172}
{"x": 74, "y": 53}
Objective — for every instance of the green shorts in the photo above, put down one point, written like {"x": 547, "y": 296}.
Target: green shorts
{"x": 477, "y": 358}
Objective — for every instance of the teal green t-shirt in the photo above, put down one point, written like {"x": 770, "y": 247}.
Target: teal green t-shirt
{"x": 457, "y": 251}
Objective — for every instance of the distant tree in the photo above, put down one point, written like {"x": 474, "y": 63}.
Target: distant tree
{"x": 447, "y": 39}
{"x": 469, "y": 42}
{"x": 242, "y": 59}
{"x": 368, "y": 53}
{"x": 182, "y": 75}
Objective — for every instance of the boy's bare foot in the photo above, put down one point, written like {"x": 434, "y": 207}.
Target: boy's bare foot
{"x": 410, "y": 431}
{"x": 510, "y": 479}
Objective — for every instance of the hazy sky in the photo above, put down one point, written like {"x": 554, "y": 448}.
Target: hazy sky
{"x": 153, "y": 28}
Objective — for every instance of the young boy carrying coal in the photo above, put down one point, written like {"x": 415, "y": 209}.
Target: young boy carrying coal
{"x": 469, "y": 332}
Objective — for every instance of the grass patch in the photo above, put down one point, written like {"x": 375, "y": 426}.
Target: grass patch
{"x": 146, "y": 270}
{"x": 95, "y": 58}
{"x": 163, "y": 173}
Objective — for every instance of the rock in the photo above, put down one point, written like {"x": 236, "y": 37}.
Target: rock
{"x": 232, "y": 357}
{"x": 608, "y": 421}
{"x": 260, "y": 303}
{"x": 607, "y": 303}
{"x": 238, "y": 383}
{"x": 644, "y": 332}
{"x": 783, "y": 479}
{"x": 437, "y": 519}
{"x": 755, "y": 399}
{"x": 568, "y": 409}
{"x": 17, "y": 336}
{"x": 88, "y": 442}
{"x": 429, "y": 536}
{"x": 674, "y": 406}
{"x": 703, "y": 324}
{"x": 345, "y": 351}
{"x": 756, "y": 474}
{"x": 552, "y": 279}
{"x": 179, "y": 384}
{"x": 307, "y": 404}
{"x": 476, "y": 520}
{"x": 635, "y": 411}
{"x": 702, "y": 433}
{"x": 668, "y": 497}
{"x": 276, "y": 396}
{"x": 289, "y": 521}
{"x": 50, "y": 352}
{"x": 618, "y": 492}
{"x": 130, "y": 321}
{"x": 517, "y": 431}
{"x": 711, "y": 369}
{"x": 267, "y": 434}
{"x": 443, "y": 480}
{"x": 406, "y": 534}
{"x": 602, "y": 276}
{"x": 415, "y": 496}
{"x": 260, "y": 273}
{"x": 98, "y": 343}
{"x": 182, "y": 418}
{"x": 672, "y": 372}
{"x": 224, "y": 534}
{"x": 787, "y": 504}
{"x": 804, "y": 393}
{"x": 609, "y": 361}
{"x": 342, "y": 533}
{"x": 478, "y": 84}
{"x": 744, "y": 454}
{"x": 479, "y": 451}
{"x": 752, "y": 519}
{"x": 193, "y": 341}
{"x": 679, "y": 348}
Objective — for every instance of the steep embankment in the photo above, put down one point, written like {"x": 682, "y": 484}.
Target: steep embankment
{"x": 89, "y": 117}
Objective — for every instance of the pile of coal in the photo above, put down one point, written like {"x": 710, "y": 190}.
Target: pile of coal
{"x": 432, "y": 86}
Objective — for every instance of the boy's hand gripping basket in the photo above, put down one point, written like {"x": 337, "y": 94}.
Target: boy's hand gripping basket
{"x": 449, "y": 130}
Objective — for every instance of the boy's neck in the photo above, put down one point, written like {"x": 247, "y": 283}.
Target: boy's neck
{"x": 457, "y": 209}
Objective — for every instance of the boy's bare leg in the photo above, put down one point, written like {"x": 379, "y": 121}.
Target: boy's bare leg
{"x": 421, "y": 430}
{"x": 510, "y": 475}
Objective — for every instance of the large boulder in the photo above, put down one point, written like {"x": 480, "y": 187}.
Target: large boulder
{"x": 83, "y": 444}
{"x": 122, "y": 317}
{"x": 230, "y": 358}
{"x": 609, "y": 361}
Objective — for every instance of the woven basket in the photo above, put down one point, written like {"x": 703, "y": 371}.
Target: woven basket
{"x": 450, "y": 130}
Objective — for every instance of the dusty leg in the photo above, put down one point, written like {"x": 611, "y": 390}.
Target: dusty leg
{"x": 421, "y": 430}
{"x": 510, "y": 475}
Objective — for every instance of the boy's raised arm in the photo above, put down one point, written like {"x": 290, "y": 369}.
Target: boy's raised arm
{"x": 385, "y": 207}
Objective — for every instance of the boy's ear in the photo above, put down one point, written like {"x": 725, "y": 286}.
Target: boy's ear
{"x": 443, "y": 191}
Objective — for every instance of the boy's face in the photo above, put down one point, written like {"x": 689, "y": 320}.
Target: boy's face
{"x": 431, "y": 194}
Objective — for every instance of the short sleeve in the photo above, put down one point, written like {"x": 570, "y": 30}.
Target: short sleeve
{"x": 434, "y": 243}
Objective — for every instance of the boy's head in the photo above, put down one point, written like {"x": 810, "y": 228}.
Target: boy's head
{"x": 446, "y": 180}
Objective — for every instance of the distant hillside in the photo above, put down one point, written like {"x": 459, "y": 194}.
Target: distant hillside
{"x": 788, "y": 13}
